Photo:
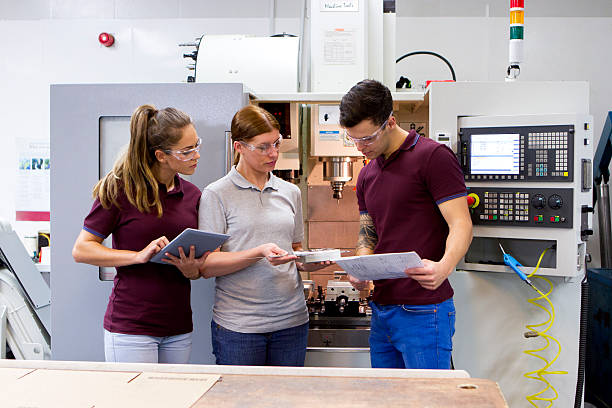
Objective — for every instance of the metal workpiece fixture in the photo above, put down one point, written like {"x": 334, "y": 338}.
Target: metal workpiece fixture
{"x": 338, "y": 171}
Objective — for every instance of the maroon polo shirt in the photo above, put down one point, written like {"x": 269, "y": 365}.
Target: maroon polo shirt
{"x": 148, "y": 299}
{"x": 402, "y": 194}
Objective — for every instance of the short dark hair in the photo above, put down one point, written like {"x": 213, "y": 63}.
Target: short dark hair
{"x": 368, "y": 99}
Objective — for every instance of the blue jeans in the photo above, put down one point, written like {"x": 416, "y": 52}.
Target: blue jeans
{"x": 137, "y": 348}
{"x": 279, "y": 348}
{"x": 406, "y": 336}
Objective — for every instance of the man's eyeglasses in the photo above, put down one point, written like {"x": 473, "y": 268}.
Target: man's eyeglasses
{"x": 367, "y": 140}
{"x": 186, "y": 154}
{"x": 265, "y": 148}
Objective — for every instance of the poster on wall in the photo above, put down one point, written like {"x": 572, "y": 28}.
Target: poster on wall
{"x": 32, "y": 200}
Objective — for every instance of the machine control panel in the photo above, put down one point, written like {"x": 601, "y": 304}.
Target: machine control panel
{"x": 521, "y": 207}
{"x": 517, "y": 153}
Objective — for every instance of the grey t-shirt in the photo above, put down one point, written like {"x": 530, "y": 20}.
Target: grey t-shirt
{"x": 260, "y": 298}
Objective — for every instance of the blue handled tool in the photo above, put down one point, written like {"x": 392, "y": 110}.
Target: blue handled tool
{"x": 514, "y": 265}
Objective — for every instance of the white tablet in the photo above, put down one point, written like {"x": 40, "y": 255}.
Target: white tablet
{"x": 202, "y": 240}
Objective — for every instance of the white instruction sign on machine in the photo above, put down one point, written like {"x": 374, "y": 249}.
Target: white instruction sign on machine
{"x": 339, "y": 5}
{"x": 340, "y": 47}
{"x": 380, "y": 266}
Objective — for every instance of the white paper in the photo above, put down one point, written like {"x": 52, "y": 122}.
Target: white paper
{"x": 380, "y": 266}
{"x": 340, "y": 47}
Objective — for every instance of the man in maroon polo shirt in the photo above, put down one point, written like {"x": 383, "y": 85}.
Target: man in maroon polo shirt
{"x": 411, "y": 197}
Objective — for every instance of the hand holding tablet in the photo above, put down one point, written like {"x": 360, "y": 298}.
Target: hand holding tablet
{"x": 202, "y": 240}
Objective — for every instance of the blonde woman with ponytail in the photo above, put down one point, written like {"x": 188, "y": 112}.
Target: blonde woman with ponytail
{"x": 144, "y": 203}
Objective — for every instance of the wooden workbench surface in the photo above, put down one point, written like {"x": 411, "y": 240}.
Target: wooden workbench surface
{"x": 287, "y": 391}
{"x": 254, "y": 387}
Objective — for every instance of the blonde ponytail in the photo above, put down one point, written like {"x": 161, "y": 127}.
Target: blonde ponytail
{"x": 150, "y": 130}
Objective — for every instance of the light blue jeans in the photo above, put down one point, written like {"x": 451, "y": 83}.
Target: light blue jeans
{"x": 412, "y": 336}
{"x": 135, "y": 348}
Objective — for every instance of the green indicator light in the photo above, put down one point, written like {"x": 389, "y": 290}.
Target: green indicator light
{"x": 516, "y": 32}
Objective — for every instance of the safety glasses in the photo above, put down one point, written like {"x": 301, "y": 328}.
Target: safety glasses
{"x": 265, "y": 148}
{"x": 368, "y": 140}
{"x": 186, "y": 154}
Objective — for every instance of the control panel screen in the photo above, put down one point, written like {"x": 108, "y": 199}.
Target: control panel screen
{"x": 517, "y": 153}
{"x": 495, "y": 153}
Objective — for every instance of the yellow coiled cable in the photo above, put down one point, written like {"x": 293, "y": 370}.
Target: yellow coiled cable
{"x": 540, "y": 373}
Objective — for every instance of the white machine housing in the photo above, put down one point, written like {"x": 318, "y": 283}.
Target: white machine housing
{"x": 492, "y": 307}
{"x": 569, "y": 251}
{"x": 229, "y": 59}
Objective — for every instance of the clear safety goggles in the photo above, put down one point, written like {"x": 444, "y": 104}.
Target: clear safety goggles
{"x": 368, "y": 140}
{"x": 265, "y": 148}
{"x": 186, "y": 154}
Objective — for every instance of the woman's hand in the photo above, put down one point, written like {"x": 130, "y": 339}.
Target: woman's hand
{"x": 154, "y": 247}
{"x": 313, "y": 266}
{"x": 275, "y": 254}
{"x": 188, "y": 265}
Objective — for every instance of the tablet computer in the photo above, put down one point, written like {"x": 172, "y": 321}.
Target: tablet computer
{"x": 202, "y": 240}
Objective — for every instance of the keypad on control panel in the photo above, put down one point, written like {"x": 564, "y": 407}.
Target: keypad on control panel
{"x": 506, "y": 206}
{"x": 543, "y": 143}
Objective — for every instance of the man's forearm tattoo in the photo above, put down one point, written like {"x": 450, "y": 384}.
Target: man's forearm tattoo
{"x": 367, "y": 233}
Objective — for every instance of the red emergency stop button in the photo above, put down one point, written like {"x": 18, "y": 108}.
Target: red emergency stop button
{"x": 473, "y": 200}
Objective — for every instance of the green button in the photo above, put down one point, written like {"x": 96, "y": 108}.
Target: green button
{"x": 495, "y": 217}
{"x": 556, "y": 218}
{"x": 540, "y": 217}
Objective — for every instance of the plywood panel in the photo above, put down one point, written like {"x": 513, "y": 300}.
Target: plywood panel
{"x": 332, "y": 234}
{"x": 323, "y": 207}
{"x": 287, "y": 391}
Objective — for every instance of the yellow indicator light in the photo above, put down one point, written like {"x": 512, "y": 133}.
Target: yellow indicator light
{"x": 517, "y": 17}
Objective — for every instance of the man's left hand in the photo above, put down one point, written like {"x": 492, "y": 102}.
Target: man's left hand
{"x": 431, "y": 275}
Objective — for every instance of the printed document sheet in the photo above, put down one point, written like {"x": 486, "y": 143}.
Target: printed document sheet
{"x": 380, "y": 266}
